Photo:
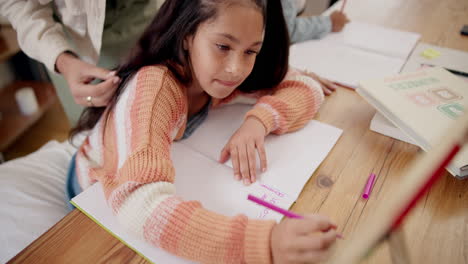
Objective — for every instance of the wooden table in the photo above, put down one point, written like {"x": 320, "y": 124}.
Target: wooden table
{"x": 437, "y": 230}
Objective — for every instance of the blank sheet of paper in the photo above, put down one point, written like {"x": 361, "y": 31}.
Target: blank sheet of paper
{"x": 293, "y": 156}
{"x": 342, "y": 64}
{"x": 200, "y": 179}
{"x": 380, "y": 40}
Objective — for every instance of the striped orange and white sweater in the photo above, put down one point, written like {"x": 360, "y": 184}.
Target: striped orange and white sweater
{"x": 131, "y": 158}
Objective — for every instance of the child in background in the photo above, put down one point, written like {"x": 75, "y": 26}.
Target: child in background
{"x": 197, "y": 55}
{"x": 310, "y": 27}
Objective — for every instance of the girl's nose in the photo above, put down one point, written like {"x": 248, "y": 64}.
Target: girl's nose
{"x": 234, "y": 66}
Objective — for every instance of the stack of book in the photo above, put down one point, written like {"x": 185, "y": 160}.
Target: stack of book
{"x": 422, "y": 104}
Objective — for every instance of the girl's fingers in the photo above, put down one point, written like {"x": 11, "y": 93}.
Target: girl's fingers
{"x": 313, "y": 248}
{"x": 327, "y": 86}
{"x": 327, "y": 239}
{"x": 252, "y": 161}
{"x": 244, "y": 164}
{"x": 262, "y": 155}
{"x": 305, "y": 243}
{"x": 224, "y": 156}
{"x": 316, "y": 241}
{"x": 321, "y": 241}
{"x": 235, "y": 162}
{"x": 330, "y": 85}
{"x": 313, "y": 223}
{"x": 312, "y": 256}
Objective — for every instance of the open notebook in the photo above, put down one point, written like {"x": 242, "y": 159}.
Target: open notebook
{"x": 292, "y": 159}
{"x": 361, "y": 51}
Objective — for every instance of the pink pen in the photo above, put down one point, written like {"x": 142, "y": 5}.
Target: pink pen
{"x": 275, "y": 208}
{"x": 369, "y": 185}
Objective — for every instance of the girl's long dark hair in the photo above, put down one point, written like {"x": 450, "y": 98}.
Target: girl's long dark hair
{"x": 162, "y": 44}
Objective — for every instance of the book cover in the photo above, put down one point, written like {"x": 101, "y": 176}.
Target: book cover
{"x": 422, "y": 104}
{"x": 447, "y": 58}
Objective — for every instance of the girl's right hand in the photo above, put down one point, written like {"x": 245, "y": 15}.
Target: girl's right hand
{"x": 304, "y": 240}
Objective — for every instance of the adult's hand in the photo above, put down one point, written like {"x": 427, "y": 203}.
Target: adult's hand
{"x": 80, "y": 74}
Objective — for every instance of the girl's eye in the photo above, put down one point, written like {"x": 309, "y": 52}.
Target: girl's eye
{"x": 222, "y": 47}
{"x": 251, "y": 52}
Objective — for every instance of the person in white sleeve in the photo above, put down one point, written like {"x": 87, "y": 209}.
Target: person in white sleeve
{"x": 78, "y": 42}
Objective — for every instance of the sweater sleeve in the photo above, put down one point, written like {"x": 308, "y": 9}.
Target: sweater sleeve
{"x": 143, "y": 197}
{"x": 293, "y": 103}
{"x": 302, "y": 28}
{"x": 39, "y": 36}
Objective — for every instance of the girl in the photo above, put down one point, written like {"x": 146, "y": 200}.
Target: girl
{"x": 196, "y": 55}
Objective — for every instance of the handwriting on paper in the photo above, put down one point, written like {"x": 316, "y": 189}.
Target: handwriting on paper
{"x": 273, "y": 196}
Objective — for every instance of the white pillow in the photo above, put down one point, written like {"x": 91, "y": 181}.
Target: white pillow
{"x": 32, "y": 196}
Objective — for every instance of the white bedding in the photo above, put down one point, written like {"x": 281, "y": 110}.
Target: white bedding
{"x": 32, "y": 196}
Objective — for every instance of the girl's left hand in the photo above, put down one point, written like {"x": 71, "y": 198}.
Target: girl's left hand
{"x": 328, "y": 86}
{"x": 242, "y": 146}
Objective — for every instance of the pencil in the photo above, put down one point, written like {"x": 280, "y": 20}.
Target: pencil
{"x": 343, "y": 6}
{"x": 463, "y": 74}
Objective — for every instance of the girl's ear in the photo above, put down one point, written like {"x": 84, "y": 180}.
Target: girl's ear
{"x": 185, "y": 45}
{"x": 187, "y": 41}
